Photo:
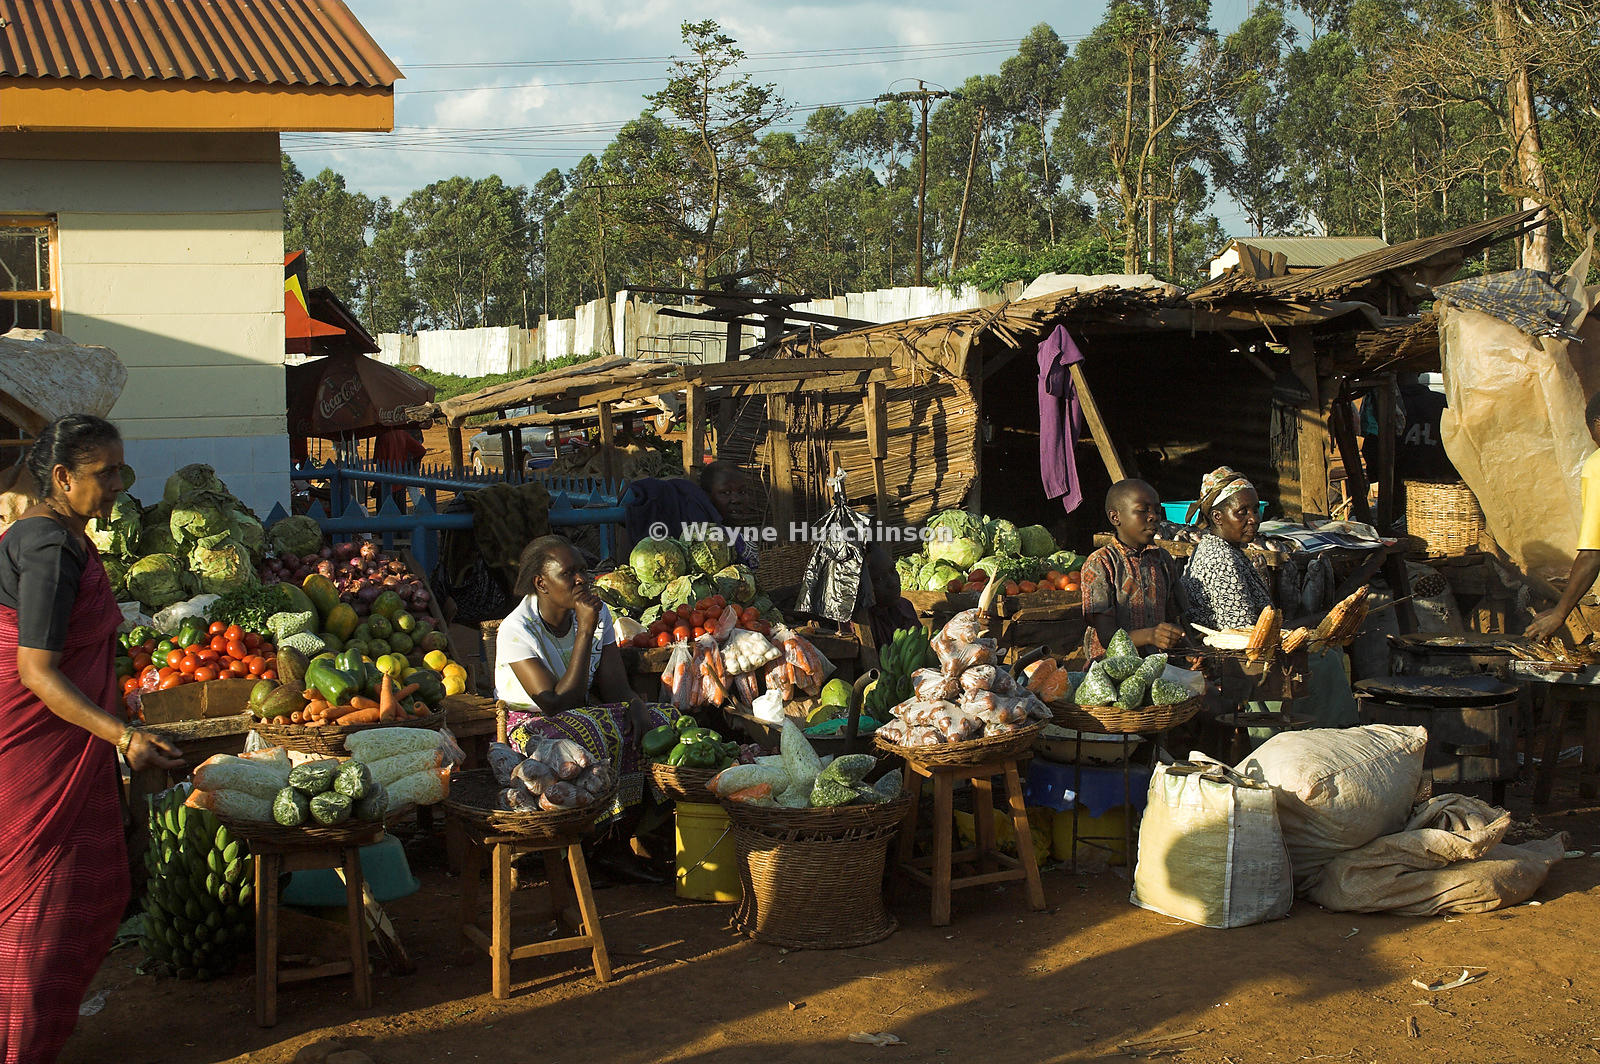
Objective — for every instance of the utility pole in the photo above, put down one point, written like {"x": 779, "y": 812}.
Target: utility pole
{"x": 1150, "y": 207}
{"x": 924, "y": 98}
{"x": 966, "y": 190}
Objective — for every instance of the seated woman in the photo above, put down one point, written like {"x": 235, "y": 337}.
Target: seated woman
{"x": 556, "y": 650}
{"x": 1226, "y": 590}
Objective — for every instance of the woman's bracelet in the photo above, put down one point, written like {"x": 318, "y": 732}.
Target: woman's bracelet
{"x": 126, "y": 740}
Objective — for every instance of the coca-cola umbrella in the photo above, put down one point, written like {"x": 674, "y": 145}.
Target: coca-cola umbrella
{"x": 350, "y": 395}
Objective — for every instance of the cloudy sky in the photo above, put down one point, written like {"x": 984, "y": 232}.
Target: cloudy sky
{"x": 516, "y": 88}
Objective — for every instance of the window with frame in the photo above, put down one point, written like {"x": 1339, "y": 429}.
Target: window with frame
{"x": 29, "y": 294}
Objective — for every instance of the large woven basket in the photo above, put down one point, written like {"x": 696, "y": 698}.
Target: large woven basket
{"x": 1007, "y": 747}
{"x": 329, "y": 739}
{"x": 309, "y": 836}
{"x": 783, "y": 566}
{"x": 1114, "y": 720}
{"x": 473, "y": 798}
{"x": 813, "y": 878}
{"x": 684, "y": 784}
{"x": 1443, "y": 519}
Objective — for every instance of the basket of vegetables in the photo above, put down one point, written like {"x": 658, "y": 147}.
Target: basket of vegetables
{"x": 813, "y": 840}
{"x": 555, "y": 793}
{"x": 684, "y": 757}
{"x": 315, "y": 705}
{"x": 1122, "y": 693}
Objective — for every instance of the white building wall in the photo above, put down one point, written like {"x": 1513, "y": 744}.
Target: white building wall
{"x": 171, "y": 254}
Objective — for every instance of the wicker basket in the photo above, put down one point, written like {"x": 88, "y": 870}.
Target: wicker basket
{"x": 1114, "y": 720}
{"x": 813, "y": 878}
{"x": 473, "y": 797}
{"x": 329, "y": 739}
{"x": 783, "y": 566}
{"x": 1008, "y": 747}
{"x": 307, "y": 836}
{"x": 684, "y": 784}
{"x": 1443, "y": 519}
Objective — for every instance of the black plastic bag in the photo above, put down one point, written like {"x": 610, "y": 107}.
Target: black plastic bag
{"x": 833, "y": 586}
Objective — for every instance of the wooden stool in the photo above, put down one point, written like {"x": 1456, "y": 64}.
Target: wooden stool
{"x": 273, "y": 859}
{"x": 935, "y": 871}
{"x": 496, "y": 942}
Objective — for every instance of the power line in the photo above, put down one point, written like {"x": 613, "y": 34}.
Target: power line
{"x": 789, "y": 54}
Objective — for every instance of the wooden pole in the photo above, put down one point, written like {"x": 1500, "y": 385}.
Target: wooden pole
{"x": 457, "y": 448}
{"x": 1097, "y": 425}
{"x": 1313, "y": 427}
{"x": 1384, "y": 397}
{"x": 966, "y": 190}
{"x": 1343, "y": 421}
{"x": 878, "y": 445}
{"x": 694, "y": 415}
{"x": 782, "y": 462}
{"x": 608, "y": 457}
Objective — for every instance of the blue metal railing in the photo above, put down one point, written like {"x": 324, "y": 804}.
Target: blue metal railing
{"x": 574, "y": 502}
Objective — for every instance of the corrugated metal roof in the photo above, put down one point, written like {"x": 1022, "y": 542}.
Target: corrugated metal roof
{"x": 262, "y": 42}
{"x": 1314, "y": 250}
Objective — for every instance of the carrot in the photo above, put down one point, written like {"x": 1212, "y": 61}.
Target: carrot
{"x": 420, "y": 710}
{"x": 360, "y": 716}
{"x": 316, "y": 707}
{"x": 297, "y": 717}
{"x": 388, "y": 705}
{"x": 358, "y": 702}
{"x": 407, "y": 691}
{"x": 311, "y": 695}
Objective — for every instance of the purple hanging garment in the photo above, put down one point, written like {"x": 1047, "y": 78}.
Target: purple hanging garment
{"x": 1059, "y": 419}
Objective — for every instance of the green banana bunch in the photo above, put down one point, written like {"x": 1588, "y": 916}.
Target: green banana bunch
{"x": 905, "y": 652}
{"x": 199, "y": 898}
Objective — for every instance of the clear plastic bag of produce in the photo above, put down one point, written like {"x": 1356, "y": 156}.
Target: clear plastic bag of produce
{"x": 991, "y": 708}
{"x": 809, "y": 668}
{"x": 746, "y": 651}
{"x": 934, "y": 686}
{"x": 678, "y": 682}
{"x": 1118, "y": 668}
{"x": 711, "y": 671}
{"x": 957, "y": 725}
{"x": 987, "y": 678}
{"x": 965, "y": 627}
{"x": 1097, "y": 689}
{"x": 955, "y": 656}
{"x": 919, "y": 711}
{"x": 169, "y": 619}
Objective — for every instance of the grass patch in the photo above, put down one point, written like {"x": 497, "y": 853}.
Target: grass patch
{"x": 449, "y": 386}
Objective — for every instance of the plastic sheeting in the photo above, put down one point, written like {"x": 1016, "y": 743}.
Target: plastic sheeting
{"x": 1514, "y": 429}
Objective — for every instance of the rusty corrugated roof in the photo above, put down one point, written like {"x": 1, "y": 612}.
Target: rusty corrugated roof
{"x": 262, "y": 42}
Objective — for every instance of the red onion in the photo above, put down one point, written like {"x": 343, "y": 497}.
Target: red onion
{"x": 369, "y": 592}
{"x": 289, "y": 561}
{"x": 325, "y": 567}
{"x": 325, "y": 552}
{"x": 420, "y": 597}
{"x": 362, "y": 609}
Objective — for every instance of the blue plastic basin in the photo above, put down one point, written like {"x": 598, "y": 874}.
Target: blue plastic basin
{"x": 383, "y": 865}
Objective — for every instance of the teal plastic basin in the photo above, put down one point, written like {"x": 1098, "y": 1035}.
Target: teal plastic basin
{"x": 383, "y": 864}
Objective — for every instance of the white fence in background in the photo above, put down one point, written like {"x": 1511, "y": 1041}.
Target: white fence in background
{"x": 637, "y": 329}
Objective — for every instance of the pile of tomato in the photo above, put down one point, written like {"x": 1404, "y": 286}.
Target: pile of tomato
{"x": 229, "y": 652}
{"x": 689, "y": 622}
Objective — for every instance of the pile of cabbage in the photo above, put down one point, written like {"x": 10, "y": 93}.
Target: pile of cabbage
{"x": 962, "y": 543}
{"x": 198, "y": 539}
{"x": 663, "y": 574}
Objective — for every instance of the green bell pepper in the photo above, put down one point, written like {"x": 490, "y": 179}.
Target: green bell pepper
{"x": 350, "y": 661}
{"x": 699, "y": 735}
{"x": 659, "y": 741}
{"x": 335, "y": 685}
{"x": 679, "y": 752}
{"x": 124, "y": 665}
{"x": 702, "y": 755}
{"x": 685, "y": 722}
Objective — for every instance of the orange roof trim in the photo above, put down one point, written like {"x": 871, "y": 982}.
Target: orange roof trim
{"x": 314, "y": 43}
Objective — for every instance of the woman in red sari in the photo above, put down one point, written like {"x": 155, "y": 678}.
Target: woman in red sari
{"x": 63, "y": 864}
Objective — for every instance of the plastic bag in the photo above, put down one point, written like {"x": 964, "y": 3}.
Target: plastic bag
{"x": 967, "y": 626}
{"x": 170, "y": 618}
{"x": 987, "y": 678}
{"x": 678, "y": 684}
{"x": 768, "y": 707}
{"x": 934, "y": 686}
{"x": 746, "y": 651}
{"x": 919, "y": 711}
{"x": 1096, "y": 690}
{"x": 808, "y": 668}
{"x": 454, "y": 756}
{"x": 955, "y": 656}
{"x": 992, "y": 708}
{"x": 832, "y": 586}
{"x": 779, "y": 679}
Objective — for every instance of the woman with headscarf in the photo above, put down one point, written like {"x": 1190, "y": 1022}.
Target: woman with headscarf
{"x": 1225, "y": 588}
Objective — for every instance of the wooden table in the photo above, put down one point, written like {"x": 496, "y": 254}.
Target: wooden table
{"x": 1561, "y": 695}
{"x": 472, "y": 719}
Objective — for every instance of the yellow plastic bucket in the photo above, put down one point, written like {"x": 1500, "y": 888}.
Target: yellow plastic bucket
{"x": 1110, "y": 823}
{"x": 708, "y": 864}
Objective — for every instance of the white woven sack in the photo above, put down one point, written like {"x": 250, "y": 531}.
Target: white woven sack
{"x": 1338, "y": 788}
{"x": 1210, "y": 849}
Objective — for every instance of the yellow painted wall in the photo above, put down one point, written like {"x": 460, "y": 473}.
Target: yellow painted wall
{"x": 175, "y": 262}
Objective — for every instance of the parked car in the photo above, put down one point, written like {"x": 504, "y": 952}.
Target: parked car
{"x": 538, "y": 445}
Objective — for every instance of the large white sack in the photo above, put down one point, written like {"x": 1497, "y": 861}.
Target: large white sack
{"x": 1449, "y": 859}
{"x": 1338, "y": 788}
{"x": 1210, "y": 850}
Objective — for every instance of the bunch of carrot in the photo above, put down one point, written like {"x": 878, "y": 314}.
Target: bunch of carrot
{"x": 360, "y": 710}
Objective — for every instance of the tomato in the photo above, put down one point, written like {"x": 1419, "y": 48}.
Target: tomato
{"x": 697, "y": 619}
{"x": 683, "y": 612}
{"x": 719, "y": 600}
{"x": 658, "y": 626}
{"x": 238, "y": 668}
{"x": 188, "y": 663}
{"x": 204, "y": 674}
{"x": 237, "y": 650}
{"x": 270, "y": 674}
{"x": 252, "y": 640}
{"x": 141, "y": 662}
{"x": 953, "y": 586}
{"x": 663, "y": 639}
{"x": 217, "y": 628}
{"x": 130, "y": 684}
{"x": 266, "y": 649}
{"x": 233, "y": 631}
{"x": 170, "y": 682}
{"x": 761, "y": 628}
{"x": 148, "y": 646}
{"x": 682, "y": 631}
{"x": 698, "y": 632}
{"x": 173, "y": 658}
{"x": 644, "y": 639}
{"x": 1012, "y": 587}
{"x": 256, "y": 664}
{"x": 208, "y": 655}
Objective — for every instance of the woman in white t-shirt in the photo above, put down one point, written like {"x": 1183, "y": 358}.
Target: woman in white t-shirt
{"x": 559, "y": 673}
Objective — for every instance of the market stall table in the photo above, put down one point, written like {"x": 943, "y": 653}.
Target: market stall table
{"x": 199, "y": 740}
{"x": 1562, "y": 692}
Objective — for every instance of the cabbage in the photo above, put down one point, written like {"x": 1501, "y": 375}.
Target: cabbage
{"x": 200, "y": 514}
{"x": 736, "y": 584}
{"x": 960, "y": 523}
{"x": 685, "y": 591}
{"x": 250, "y": 534}
{"x": 711, "y": 555}
{"x": 159, "y": 580}
{"x": 1065, "y": 561}
{"x": 155, "y": 535}
{"x": 192, "y": 478}
{"x": 295, "y": 535}
{"x": 961, "y": 553}
{"x": 222, "y": 564}
{"x": 658, "y": 561}
{"x": 620, "y": 588}
{"x": 937, "y": 576}
{"x": 1036, "y": 541}
{"x": 117, "y": 573}
{"x": 118, "y": 535}
{"x": 1003, "y": 537}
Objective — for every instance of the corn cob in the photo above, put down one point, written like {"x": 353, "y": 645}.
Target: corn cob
{"x": 1296, "y": 639}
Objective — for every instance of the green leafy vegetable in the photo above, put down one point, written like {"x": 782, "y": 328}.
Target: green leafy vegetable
{"x": 247, "y": 607}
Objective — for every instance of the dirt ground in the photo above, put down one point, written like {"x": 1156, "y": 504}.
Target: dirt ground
{"x": 1092, "y": 978}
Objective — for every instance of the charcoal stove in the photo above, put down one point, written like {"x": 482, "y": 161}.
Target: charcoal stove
{"x": 1471, "y": 723}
